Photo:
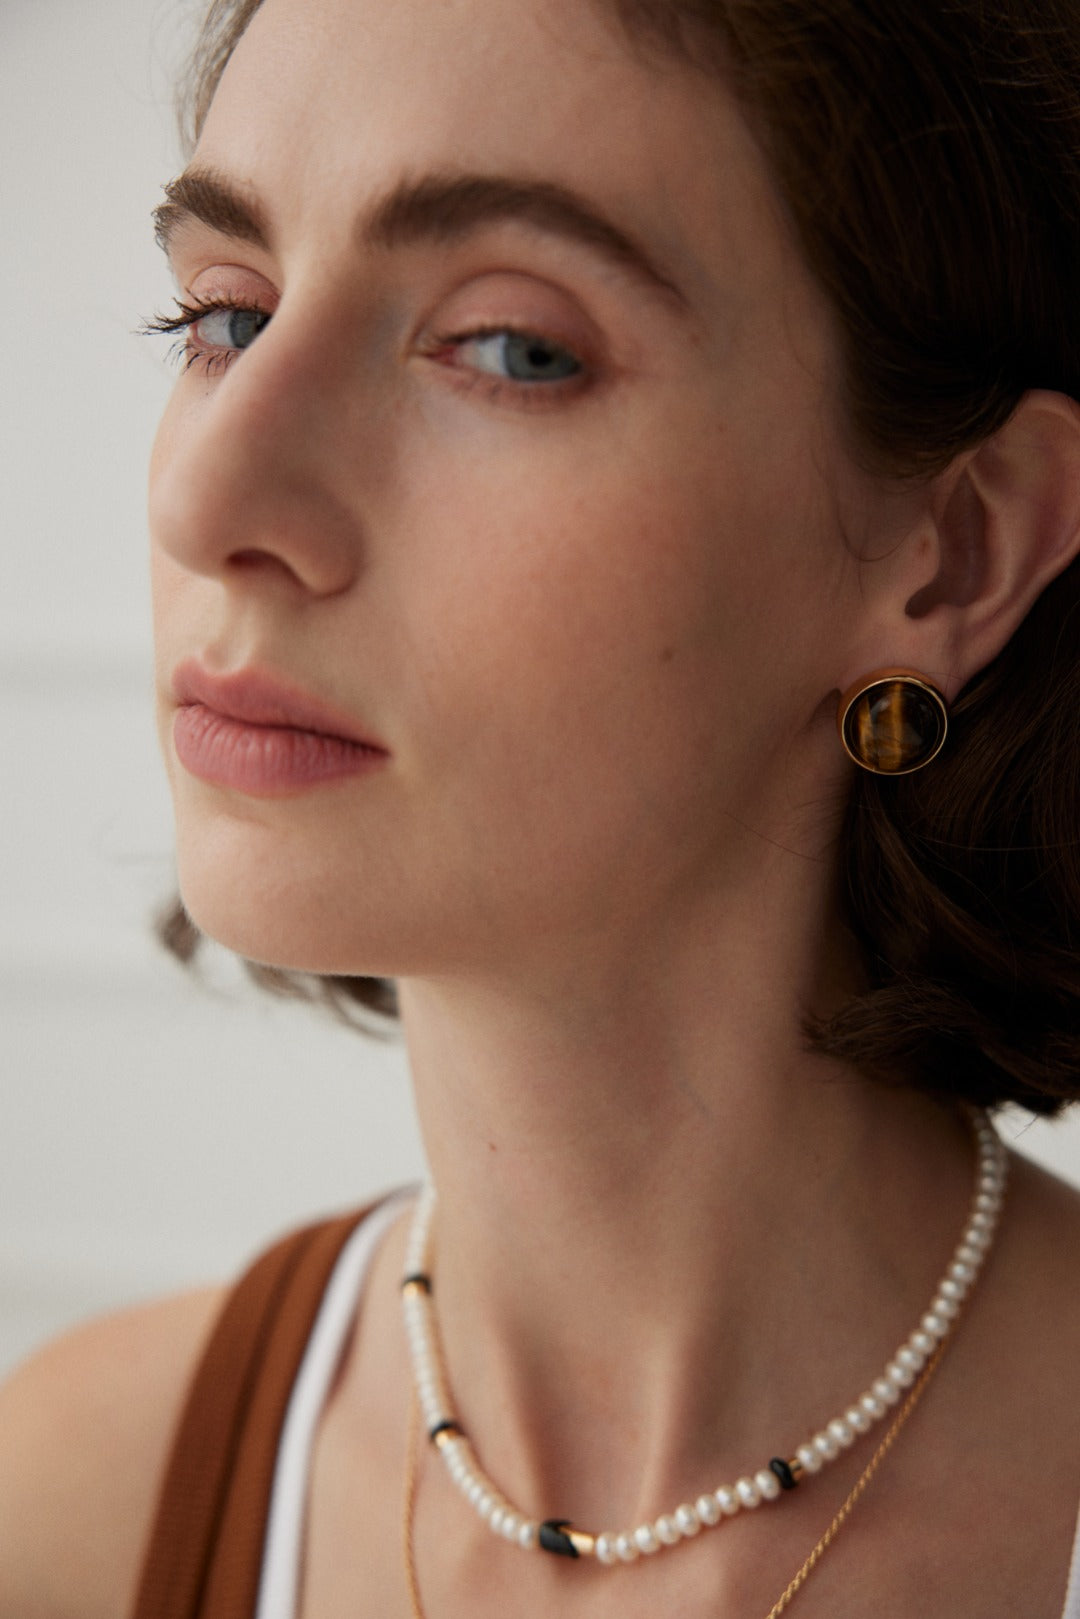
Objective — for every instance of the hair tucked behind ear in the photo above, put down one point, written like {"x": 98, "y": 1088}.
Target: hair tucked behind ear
{"x": 929, "y": 158}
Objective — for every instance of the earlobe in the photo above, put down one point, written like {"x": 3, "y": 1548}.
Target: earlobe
{"x": 1008, "y": 522}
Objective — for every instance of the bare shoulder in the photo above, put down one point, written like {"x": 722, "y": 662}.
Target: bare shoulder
{"x": 1047, "y": 1214}
{"x": 1032, "y": 1293}
{"x": 85, "y": 1426}
{"x": 1040, "y": 1242}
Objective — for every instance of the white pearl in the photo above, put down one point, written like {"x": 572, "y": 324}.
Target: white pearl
{"x": 464, "y": 1469}
{"x": 910, "y": 1358}
{"x": 809, "y": 1459}
{"x": 707, "y": 1508}
{"x": 840, "y": 1431}
{"x": 858, "y": 1418}
{"x": 687, "y": 1520}
{"x": 826, "y": 1446}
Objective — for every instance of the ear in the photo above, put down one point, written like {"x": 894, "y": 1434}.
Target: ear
{"x": 998, "y": 525}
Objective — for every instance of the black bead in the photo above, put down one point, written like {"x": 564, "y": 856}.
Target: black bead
{"x": 444, "y": 1427}
{"x": 554, "y": 1539}
{"x": 787, "y": 1478}
{"x": 419, "y": 1279}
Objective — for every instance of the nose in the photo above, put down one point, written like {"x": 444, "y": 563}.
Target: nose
{"x": 255, "y": 473}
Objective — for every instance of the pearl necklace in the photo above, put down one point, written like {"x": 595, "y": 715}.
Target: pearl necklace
{"x": 613, "y": 1547}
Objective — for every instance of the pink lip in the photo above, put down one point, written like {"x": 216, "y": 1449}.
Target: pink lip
{"x": 255, "y": 733}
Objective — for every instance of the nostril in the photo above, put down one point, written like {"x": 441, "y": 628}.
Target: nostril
{"x": 253, "y": 558}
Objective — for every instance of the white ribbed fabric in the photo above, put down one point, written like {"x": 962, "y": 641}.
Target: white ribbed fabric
{"x": 1072, "y": 1596}
{"x": 279, "y": 1585}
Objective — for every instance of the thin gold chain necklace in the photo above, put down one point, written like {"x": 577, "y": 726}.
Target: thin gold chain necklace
{"x": 793, "y": 1587}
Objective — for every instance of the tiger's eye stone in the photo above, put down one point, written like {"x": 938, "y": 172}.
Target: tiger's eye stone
{"x": 894, "y": 726}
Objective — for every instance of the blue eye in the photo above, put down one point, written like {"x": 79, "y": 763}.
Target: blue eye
{"x": 213, "y": 332}
{"x": 521, "y": 357}
{"x": 225, "y": 328}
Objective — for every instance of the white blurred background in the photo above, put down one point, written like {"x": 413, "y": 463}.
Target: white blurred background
{"x": 154, "y": 1130}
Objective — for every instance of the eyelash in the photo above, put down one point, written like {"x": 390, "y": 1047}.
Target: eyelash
{"x": 214, "y": 362}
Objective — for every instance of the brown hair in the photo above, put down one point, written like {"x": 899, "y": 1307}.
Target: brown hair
{"x": 929, "y": 159}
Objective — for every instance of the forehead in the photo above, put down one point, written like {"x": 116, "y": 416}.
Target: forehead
{"x": 325, "y": 102}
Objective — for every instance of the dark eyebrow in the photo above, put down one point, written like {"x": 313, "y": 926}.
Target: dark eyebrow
{"x": 204, "y": 195}
{"x": 433, "y": 208}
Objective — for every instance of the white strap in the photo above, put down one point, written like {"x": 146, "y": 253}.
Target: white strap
{"x": 279, "y": 1581}
{"x": 1072, "y": 1595}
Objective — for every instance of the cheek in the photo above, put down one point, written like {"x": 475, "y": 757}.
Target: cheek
{"x": 579, "y": 666}
{"x": 607, "y": 641}
{"x": 606, "y": 587}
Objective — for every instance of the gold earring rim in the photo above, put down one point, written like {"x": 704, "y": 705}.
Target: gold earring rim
{"x": 882, "y": 677}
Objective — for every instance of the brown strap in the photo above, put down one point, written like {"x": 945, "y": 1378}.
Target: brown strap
{"x": 205, "y": 1552}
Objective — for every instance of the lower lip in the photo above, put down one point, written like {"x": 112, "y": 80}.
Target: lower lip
{"x": 265, "y": 761}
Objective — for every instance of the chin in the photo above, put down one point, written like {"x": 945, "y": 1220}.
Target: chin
{"x": 272, "y": 913}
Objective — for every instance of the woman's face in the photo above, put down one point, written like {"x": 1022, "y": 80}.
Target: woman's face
{"x": 547, "y": 508}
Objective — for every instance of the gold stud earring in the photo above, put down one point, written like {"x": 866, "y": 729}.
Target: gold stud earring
{"x": 892, "y": 722}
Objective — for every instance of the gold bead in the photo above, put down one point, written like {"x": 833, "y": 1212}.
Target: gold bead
{"x": 447, "y": 1434}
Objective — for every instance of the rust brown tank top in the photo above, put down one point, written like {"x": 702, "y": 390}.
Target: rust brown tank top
{"x": 204, "y": 1556}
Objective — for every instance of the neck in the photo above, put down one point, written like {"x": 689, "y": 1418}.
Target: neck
{"x": 645, "y": 1179}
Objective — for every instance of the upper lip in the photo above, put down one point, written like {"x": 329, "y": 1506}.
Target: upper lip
{"x": 257, "y": 697}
